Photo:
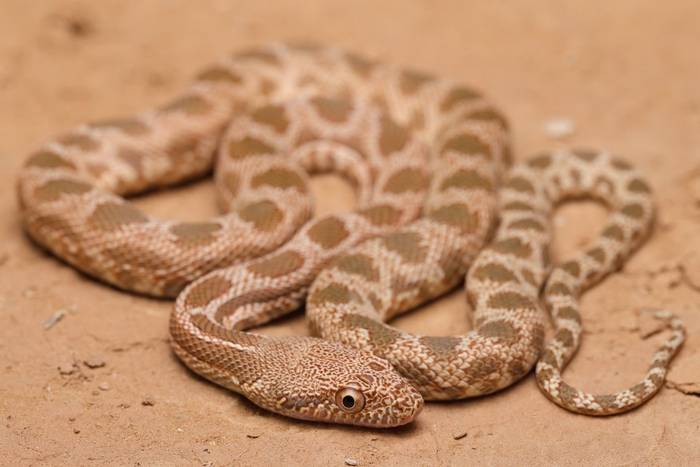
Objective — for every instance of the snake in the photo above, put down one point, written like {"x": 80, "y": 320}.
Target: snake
{"x": 439, "y": 202}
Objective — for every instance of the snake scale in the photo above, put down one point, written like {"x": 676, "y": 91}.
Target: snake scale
{"x": 429, "y": 159}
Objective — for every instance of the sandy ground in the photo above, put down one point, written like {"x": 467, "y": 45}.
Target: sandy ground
{"x": 625, "y": 73}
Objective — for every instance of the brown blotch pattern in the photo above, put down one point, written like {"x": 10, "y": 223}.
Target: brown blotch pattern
{"x": 48, "y": 160}
{"x": 129, "y": 126}
{"x": 498, "y": 329}
{"x": 597, "y": 254}
{"x": 456, "y": 215}
{"x": 248, "y": 146}
{"x": 614, "y": 232}
{"x": 517, "y": 206}
{"x": 381, "y": 215}
{"x": 569, "y": 313}
{"x": 131, "y": 157}
{"x": 277, "y": 265}
{"x": 466, "y": 179}
{"x": 457, "y": 96}
{"x": 195, "y": 233}
{"x": 219, "y": 74}
{"x": 633, "y": 210}
{"x": 638, "y": 186}
{"x": 334, "y": 293}
{"x": 265, "y": 215}
{"x": 527, "y": 224}
{"x": 540, "y": 162}
{"x": 360, "y": 64}
{"x": 558, "y": 288}
{"x": 513, "y": 246}
{"x": 328, "y": 232}
{"x": 440, "y": 345}
{"x": 191, "y": 105}
{"x": 80, "y": 141}
{"x": 393, "y": 137}
{"x": 510, "y": 301}
{"x": 585, "y": 154}
{"x": 333, "y": 110}
{"x": 232, "y": 182}
{"x": 494, "y": 272}
{"x": 571, "y": 267}
{"x": 382, "y": 336}
{"x": 521, "y": 185}
{"x": 407, "y": 245}
{"x": 54, "y": 189}
{"x": 274, "y": 116}
{"x": 490, "y": 115}
{"x": 358, "y": 264}
{"x": 620, "y": 164}
{"x": 408, "y": 179}
{"x": 412, "y": 81}
{"x": 279, "y": 178}
{"x": 465, "y": 143}
{"x": 565, "y": 337}
{"x": 206, "y": 291}
{"x": 257, "y": 54}
{"x": 111, "y": 215}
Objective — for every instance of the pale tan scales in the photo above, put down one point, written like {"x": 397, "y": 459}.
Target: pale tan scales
{"x": 428, "y": 159}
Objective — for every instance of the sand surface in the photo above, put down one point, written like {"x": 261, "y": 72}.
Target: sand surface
{"x": 625, "y": 73}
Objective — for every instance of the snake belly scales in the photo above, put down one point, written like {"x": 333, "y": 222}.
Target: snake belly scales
{"x": 429, "y": 159}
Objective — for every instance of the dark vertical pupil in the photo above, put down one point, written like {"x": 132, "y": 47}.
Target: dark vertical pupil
{"x": 349, "y": 402}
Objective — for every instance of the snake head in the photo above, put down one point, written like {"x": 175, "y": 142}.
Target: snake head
{"x": 339, "y": 384}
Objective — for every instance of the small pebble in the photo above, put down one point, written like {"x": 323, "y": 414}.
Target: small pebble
{"x": 559, "y": 128}
{"x": 253, "y": 435}
{"x": 94, "y": 361}
{"x": 67, "y": 367}
{"x": 71, "y": 419}
{"x": 54, "y": 318}
{"x": 460, "y": 435}
{"x": 123, "y": 406}
{"x": 103, "y": 386}
{"x": 148, "y": 401}
{"x": 349, "y": 461}
{"x": 76, "y": 431}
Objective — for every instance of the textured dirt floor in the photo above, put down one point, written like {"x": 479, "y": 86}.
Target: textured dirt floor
{"x": 625, "y": 73}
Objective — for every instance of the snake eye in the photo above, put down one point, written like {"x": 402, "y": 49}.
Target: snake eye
{"x": 350, "y": 400}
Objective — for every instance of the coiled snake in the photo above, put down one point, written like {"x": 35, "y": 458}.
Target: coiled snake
{"x": 428, "y": 158}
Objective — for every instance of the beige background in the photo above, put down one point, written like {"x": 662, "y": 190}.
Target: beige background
{"x": 626, "y": 72}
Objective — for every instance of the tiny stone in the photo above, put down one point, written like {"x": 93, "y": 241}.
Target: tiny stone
{"x": 103, "y": 386}
{"x": 54, "y": 318}
{"x": 179, "y": 430}
{"x": 349, "y": 461}
{"x": 94, "y": 361}
{"x": 76, "y": 431}
{"x": 253, "y": 435}
{"x": 124, "y": 406}
{"x": 559, "y": 128}
{"x": 71, "y": 419}
{"x": 460, "y": 435}
{"x": 148, "y": 401}
{"x": 67, "y": 368}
